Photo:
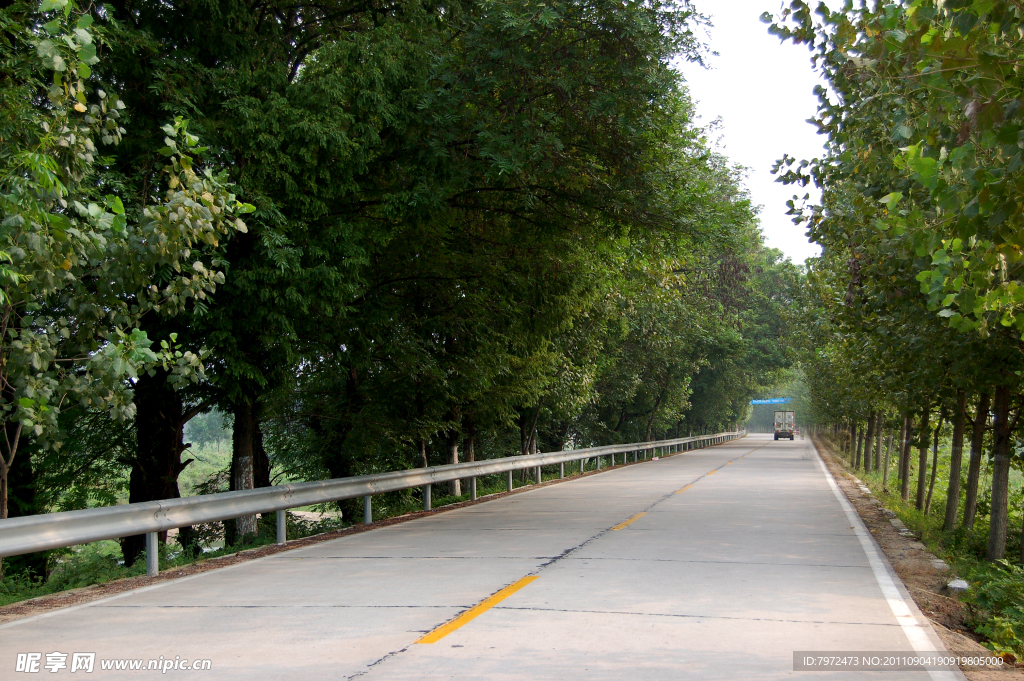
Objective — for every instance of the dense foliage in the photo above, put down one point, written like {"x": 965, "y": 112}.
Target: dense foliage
{"x": 474, "y": 229}
{"x": 911, "y": 315}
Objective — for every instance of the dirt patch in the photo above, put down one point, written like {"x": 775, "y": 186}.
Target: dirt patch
{"x": 65, "y": 599}
{"x": 923, "y": 573}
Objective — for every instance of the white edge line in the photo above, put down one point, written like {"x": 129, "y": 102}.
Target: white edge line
{"x": 914, "y": 626}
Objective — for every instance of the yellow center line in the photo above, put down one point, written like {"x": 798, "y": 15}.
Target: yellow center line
{"x": 476, "y": 611}
{"x": 712, "y": 472}
{"x": 679, "y": 491}
{"x": 627, "y": 523}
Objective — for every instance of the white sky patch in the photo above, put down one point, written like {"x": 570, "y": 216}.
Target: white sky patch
{"x": 762, "y": 90}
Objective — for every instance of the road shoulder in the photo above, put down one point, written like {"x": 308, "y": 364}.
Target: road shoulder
{"x": 923, "y": 575}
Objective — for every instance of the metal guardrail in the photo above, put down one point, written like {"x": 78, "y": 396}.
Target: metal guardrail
{"x": 55, "y": 530}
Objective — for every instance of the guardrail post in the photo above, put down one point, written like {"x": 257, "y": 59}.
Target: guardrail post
{"x": 538, "y": 475}
{"x": 510, "y": 481}
{"x": 426, "y": 497}
{"x": 282, "y": 527}
{"x": 472, "y": 488}
{"x": 152, "y": 555}
{"x": 613, "y": 460}
{"x": 598, "y": 462}
{"x": 368, "y": 509}
{"x": 561, "y": 470}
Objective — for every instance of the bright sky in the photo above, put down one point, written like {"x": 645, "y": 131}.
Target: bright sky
{"x": 762, "y": 91}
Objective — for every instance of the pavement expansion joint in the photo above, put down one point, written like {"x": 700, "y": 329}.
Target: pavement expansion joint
{"x": 468, "y": 615}
{"x": 724, "y": 562}
{"x": 482, "y": 557}
{"x": 626, "y": 523}
{"x": 272, "y": 606}
{"x": 696, "y": 616}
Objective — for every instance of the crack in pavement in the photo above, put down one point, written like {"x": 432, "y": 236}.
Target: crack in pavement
{"x": 284, "y": 607}
{"x": 702, "y": 617}
{"x": 565, "y": 554}
{"x": 729, "y": 562}
{"x": 423, "y": 558}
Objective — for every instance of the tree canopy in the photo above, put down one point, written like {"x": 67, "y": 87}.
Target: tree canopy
{"x": 471, "y": 229}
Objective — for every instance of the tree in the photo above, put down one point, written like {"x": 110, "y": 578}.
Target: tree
{"x": 79, "y": 274}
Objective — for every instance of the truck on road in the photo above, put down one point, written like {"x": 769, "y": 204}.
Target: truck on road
{"x": 785, "y": 424}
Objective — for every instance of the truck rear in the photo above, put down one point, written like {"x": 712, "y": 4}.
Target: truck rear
{"x": 785, "y": 424}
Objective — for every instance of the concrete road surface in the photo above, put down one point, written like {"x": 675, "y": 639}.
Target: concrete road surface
{"x": 735, "y": 557}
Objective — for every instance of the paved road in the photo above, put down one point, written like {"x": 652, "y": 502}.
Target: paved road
{"x": 753, "y": 559}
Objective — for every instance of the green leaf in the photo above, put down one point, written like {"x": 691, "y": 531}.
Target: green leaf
{"x": 84, "y": 71}
{"x": 890, "y": 200}
{"x": 88, "y": 54}
{"x": 115, "y": 205}
{"x": 924, "y": 166}
{"x": 45, "y": 48}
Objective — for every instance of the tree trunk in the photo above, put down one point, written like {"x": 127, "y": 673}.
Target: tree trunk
{"x": 974, "y": 463}
{"x": 3, "y": 491}
{"x": 260, "y": 460}
{"x": 242, "y": 444}
{"x": 853, "y": 441}
{"x": 3, "y": 502}
{"x": 879, "y": 425}
{"x": 12, "y": 434}
{"x": 527, "y": 430}
{"x": 869, "y": 438}
{"x": 469, "y": 442}
{"x": 423, "y": 453}
{"x": 1020, "y": 558}
{"x": 654, "y": 412}
{"x": 859, "y": 433}
{"x": 922, "y": 459}
{"x": 935, "y": 463}
{"x": 1001, "y": 445}
{"x": 455, "y": 486}
{"x": 956, "y": 456}
{"x": 22, "y": 500}
{"x": 885, "y": 470}
{"x": 157, "y": 462}
{"x": 901, "y": 473}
